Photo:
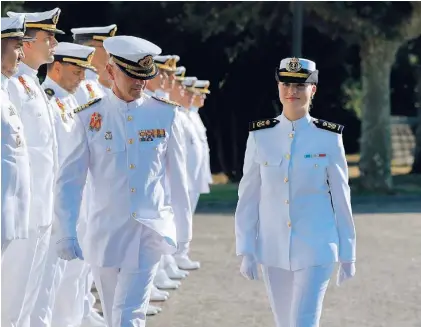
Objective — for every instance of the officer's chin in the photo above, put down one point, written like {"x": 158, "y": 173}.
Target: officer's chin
{"x": 136, "y": 93}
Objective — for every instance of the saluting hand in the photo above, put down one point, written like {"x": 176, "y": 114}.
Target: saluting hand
{"x": 249, "y": 268}
{"x": 346, "y": 271}
{"x": 69, "y": 249}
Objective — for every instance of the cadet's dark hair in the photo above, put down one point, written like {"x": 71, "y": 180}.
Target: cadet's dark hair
{"x": 31, "y": 32}
{"x": 83, "y": 41}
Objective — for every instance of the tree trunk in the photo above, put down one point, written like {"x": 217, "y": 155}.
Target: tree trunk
{"x": 416, "y": 166}
{"x": 377, "y": 58}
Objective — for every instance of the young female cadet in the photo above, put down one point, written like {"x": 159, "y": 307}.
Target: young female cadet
{"x": 294, "y": 212}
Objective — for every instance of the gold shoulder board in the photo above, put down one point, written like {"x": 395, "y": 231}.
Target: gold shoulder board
{"x": 262, "y": 124}
{"x": 87, "y": 105}
{"x": 332, "y": 127}
{"x": 50, "y": 93}
{"x": 166, "y": 101}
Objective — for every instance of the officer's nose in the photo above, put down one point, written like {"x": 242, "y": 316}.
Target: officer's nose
{"x": 292, "y": 90}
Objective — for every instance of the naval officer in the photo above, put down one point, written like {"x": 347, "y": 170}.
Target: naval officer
{"x": 96, "y": 85}
{"x": 15, "y": 170}
{"x": 294, "y": 212}
{"x": 21, "y": 282}
{"x": 63, "y": 78}
{"x": 130, "y": 144}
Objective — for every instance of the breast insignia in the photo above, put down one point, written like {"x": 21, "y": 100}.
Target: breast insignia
{"x": 50, "y": 93}
{"x": 262, "y": 124}
{"x": 332, "y": 127}
{"x": 166, "y": 101}
{"x": 85, "y": 106}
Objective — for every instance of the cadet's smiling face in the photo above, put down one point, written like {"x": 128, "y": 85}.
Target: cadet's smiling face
{"x": 296, "y": 95}
{"x": 123, "y": 86}
{"x": 11, "y": 55}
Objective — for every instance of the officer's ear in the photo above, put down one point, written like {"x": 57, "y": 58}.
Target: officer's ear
{"x": 313, "y": 89}
{"x": 57, "y": 66}
{"x": 110, "y": 71}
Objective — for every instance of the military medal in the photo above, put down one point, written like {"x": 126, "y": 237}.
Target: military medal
{"x": 28, "y": 90}
{"x": 108, "y": 135}
{"x": 319, "y": 155}
{"x": 62, "y": 109}
{"x": 147, "y": 135}
{"x": 92, "y": 94}
{"x": 96, "y": 121}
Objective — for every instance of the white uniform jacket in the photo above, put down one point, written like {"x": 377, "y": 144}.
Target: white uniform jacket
{"x": 89, "y": 89}
{"x": 194, "y": 152}
{"x": 294, "y": 207}
{"x": 129, "y": 149}
{"x": 205, "y": 176}
{"x": 37, "y": 117}
{"x": 63, "y": 104}
{"x": 15, "y": 171}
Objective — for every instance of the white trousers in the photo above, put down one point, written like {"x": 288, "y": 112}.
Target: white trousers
{"x": 70, "y": 298}
{"x": 125, "y": 293}
{"x": 89, "y": 301}
{"x": 194, "y": 199}
{"x": 22, "y": 269}
{"x": 4, "y": 245}
{"x": 54, "y": 270}
{"x": 296, "y": 297}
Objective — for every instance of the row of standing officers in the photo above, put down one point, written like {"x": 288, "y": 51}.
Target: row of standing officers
{"x": 100, "y": 165}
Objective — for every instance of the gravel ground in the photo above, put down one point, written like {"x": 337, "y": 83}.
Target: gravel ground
{"x": 386, "y": 291}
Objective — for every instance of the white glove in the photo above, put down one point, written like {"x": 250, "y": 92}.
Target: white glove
{"x": 249, "y": 268}
{"x": 69, "y": 249}
{"x": 346, "y": 271}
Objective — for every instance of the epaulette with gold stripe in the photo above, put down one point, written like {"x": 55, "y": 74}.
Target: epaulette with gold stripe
{"x": 332, "y": 127}
{"x": 166, "y": 101}
{"x": 262, "y": 124}
{"x": 87, "y": 105}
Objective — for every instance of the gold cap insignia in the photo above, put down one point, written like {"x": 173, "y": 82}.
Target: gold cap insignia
{"x": 55, "y": 18}
{"x": 294, "y": 65}
{"x": 90, "y": 57}
{"x": 146, "y": 62}
{"x": 113, "y": 31}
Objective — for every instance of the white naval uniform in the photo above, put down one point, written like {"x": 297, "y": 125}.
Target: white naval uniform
{"x": 130, "y": 223}
{"x": 63, "y": 104}
{"x": 15, "y": 173}
{"x": 22, "y": 281}
{"x": 77, "y": 281}
{"x": 205, "y": 176}
{"x": 294, "y": 211}
{"x": 161, "y": 277}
